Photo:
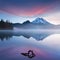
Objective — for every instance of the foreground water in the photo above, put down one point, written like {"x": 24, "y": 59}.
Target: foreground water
{"x": 45, "y": 45}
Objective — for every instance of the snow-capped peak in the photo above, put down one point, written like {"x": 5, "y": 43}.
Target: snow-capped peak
{"x": 40, "y": 20}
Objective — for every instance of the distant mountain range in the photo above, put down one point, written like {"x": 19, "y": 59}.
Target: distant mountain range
{"x": 38, "y": 23}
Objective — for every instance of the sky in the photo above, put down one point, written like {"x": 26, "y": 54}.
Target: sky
{"x": 18, "y": 11}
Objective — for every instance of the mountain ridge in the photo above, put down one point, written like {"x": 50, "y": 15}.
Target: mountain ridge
{"x": 38, "y": 23}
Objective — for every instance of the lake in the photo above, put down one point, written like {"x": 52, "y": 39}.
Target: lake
{"x": 44, "y": 44}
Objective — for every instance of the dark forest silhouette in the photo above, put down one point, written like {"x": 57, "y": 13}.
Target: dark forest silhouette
{"x": 5, "y": 25}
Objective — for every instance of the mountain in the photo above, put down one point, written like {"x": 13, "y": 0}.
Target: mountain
{"x": 26, "y": 22}
{"x": 40, "y": 21}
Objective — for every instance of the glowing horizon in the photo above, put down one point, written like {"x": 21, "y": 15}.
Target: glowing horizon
{"x": 22, "y": 10}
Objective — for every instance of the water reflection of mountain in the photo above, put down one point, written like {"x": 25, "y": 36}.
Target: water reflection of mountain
{"x": 36, "y": 35}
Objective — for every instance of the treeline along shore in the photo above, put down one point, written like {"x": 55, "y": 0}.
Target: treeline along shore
{"x": 5, "y": 25}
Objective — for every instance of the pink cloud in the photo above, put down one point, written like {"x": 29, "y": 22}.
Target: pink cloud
{"x": 27, "y": 12}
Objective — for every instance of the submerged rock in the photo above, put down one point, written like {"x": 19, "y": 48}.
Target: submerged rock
{"x": 30, "y": 54}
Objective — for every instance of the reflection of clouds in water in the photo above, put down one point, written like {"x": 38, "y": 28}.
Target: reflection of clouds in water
{"x": 44, "y": 49}
{"x": 14, "y": 52}
{"x": 38, "y": 52}
{"x": 53, "y": 41}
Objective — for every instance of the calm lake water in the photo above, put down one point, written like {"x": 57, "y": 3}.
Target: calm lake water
{"x": 45, "y": 45}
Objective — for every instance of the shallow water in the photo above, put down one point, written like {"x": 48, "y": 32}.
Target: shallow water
{"x": 45, "y": 45}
